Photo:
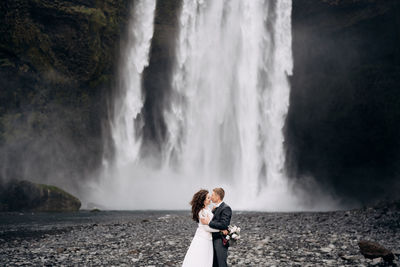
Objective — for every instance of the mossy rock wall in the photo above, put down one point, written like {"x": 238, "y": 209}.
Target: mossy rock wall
{"x": 28, "y": 196}
{"x": 58, "y": 63}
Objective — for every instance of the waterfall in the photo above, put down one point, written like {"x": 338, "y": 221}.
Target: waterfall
{"x": 113, "y": 184}
{"x": 230, "y": 98}
{"x": 224, "y": 115}
{"x": 128, "y": 105}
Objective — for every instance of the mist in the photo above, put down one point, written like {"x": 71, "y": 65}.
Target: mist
{"x": 145, "y": 187}
{"x": 332, "y": 132}
{"x": 41, "y": 147}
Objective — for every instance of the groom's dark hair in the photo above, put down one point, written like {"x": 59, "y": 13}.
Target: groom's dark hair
{"x": 220, "y": 192}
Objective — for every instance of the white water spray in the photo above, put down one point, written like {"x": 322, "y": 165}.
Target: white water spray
{"x": 226, "y": 112}
{"x": 127, "y": 137}
{"x": 231, "y": 97}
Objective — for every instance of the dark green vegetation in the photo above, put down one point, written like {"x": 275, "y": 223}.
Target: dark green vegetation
{"x": 57, "y": 64}
{"x": 27, "y": 196}
{"x": 343, "y": 124}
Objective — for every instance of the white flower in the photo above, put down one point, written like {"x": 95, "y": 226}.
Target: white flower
{"x": 228, "y": 237}
{"x": 234, "y": 236}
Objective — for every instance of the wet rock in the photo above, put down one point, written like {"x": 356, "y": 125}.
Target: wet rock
{"x": 372, "y": 250}
{"x": 95, "y": 210}
{"x": 377, "y": 261}
{"x": 122, "y": 239}
{"x": 60, "y": 250}
{"x": 349, "y": 257}
{"x": 326, "y": 250}
{"x": 28, "y": 196}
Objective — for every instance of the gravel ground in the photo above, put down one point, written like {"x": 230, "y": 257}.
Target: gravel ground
{"x": 161, "y": 238}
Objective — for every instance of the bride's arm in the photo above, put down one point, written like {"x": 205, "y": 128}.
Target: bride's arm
{"x": 205, "y": 226}
{"x": 209, "y": 229}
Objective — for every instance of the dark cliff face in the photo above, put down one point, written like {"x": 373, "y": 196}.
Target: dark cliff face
{"x": 57, "y": 70}
{"x": 57, "y": 63}
{"x": 157, "y": 77}
{"x": 343, "y": 122}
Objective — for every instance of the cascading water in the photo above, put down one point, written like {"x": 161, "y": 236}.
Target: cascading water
{"x": 111, "y": 189}
{"x": 231, "y": 97}
{"x": 224, "y": 115}
{"x": 128, "y": 104}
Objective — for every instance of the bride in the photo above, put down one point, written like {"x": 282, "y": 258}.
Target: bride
{"x": 200, "y": 252}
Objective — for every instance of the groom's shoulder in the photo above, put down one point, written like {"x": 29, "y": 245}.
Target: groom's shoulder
{"x": 226, "y": 206}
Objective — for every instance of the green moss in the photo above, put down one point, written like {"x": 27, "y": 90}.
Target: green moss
{"x": 25, "y": 195}
{"x": 5, "y": 62}
{"x": 95, "y": 15}
{"x": 103, "y": 79}
{"x": 55, "y": 189}
{"x": 37, "y": 58}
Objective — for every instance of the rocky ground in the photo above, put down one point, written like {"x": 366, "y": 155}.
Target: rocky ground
{"x": 162, "y": 238}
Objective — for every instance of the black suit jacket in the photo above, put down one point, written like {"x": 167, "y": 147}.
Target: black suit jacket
{"x": 221, "y": 219}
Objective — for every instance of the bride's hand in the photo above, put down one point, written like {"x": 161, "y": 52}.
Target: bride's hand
{"x": 205, "y": 220}
{"x": 225, "y": 232}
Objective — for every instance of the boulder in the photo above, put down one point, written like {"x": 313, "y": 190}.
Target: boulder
{"x": 94, "y": 206}
{"x": 28, "y": 196}
{"x": 373, "y": 250}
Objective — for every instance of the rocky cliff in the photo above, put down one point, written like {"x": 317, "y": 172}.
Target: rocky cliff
{"x": 57, "y": 64}
{"x": 343, "y": 122}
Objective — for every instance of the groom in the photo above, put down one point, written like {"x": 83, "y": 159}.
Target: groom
{"x": 220, "y": 221}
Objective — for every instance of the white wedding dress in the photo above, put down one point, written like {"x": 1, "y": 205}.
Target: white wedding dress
{"x": 200, "y": 252}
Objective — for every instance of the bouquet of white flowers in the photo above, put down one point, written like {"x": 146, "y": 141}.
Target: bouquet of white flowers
{"x": 233, "y": 235}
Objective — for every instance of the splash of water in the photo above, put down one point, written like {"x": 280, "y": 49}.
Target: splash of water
{"x": 129, "y": 103}
{"x": 231, "y": 97}
{"x": 226, "y": 112}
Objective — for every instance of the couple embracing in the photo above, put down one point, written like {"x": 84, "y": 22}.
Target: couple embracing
{"x": 207, "y": 247}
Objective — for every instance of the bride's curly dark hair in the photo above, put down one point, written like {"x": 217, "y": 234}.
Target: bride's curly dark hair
{"x": 198, "y": 203}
